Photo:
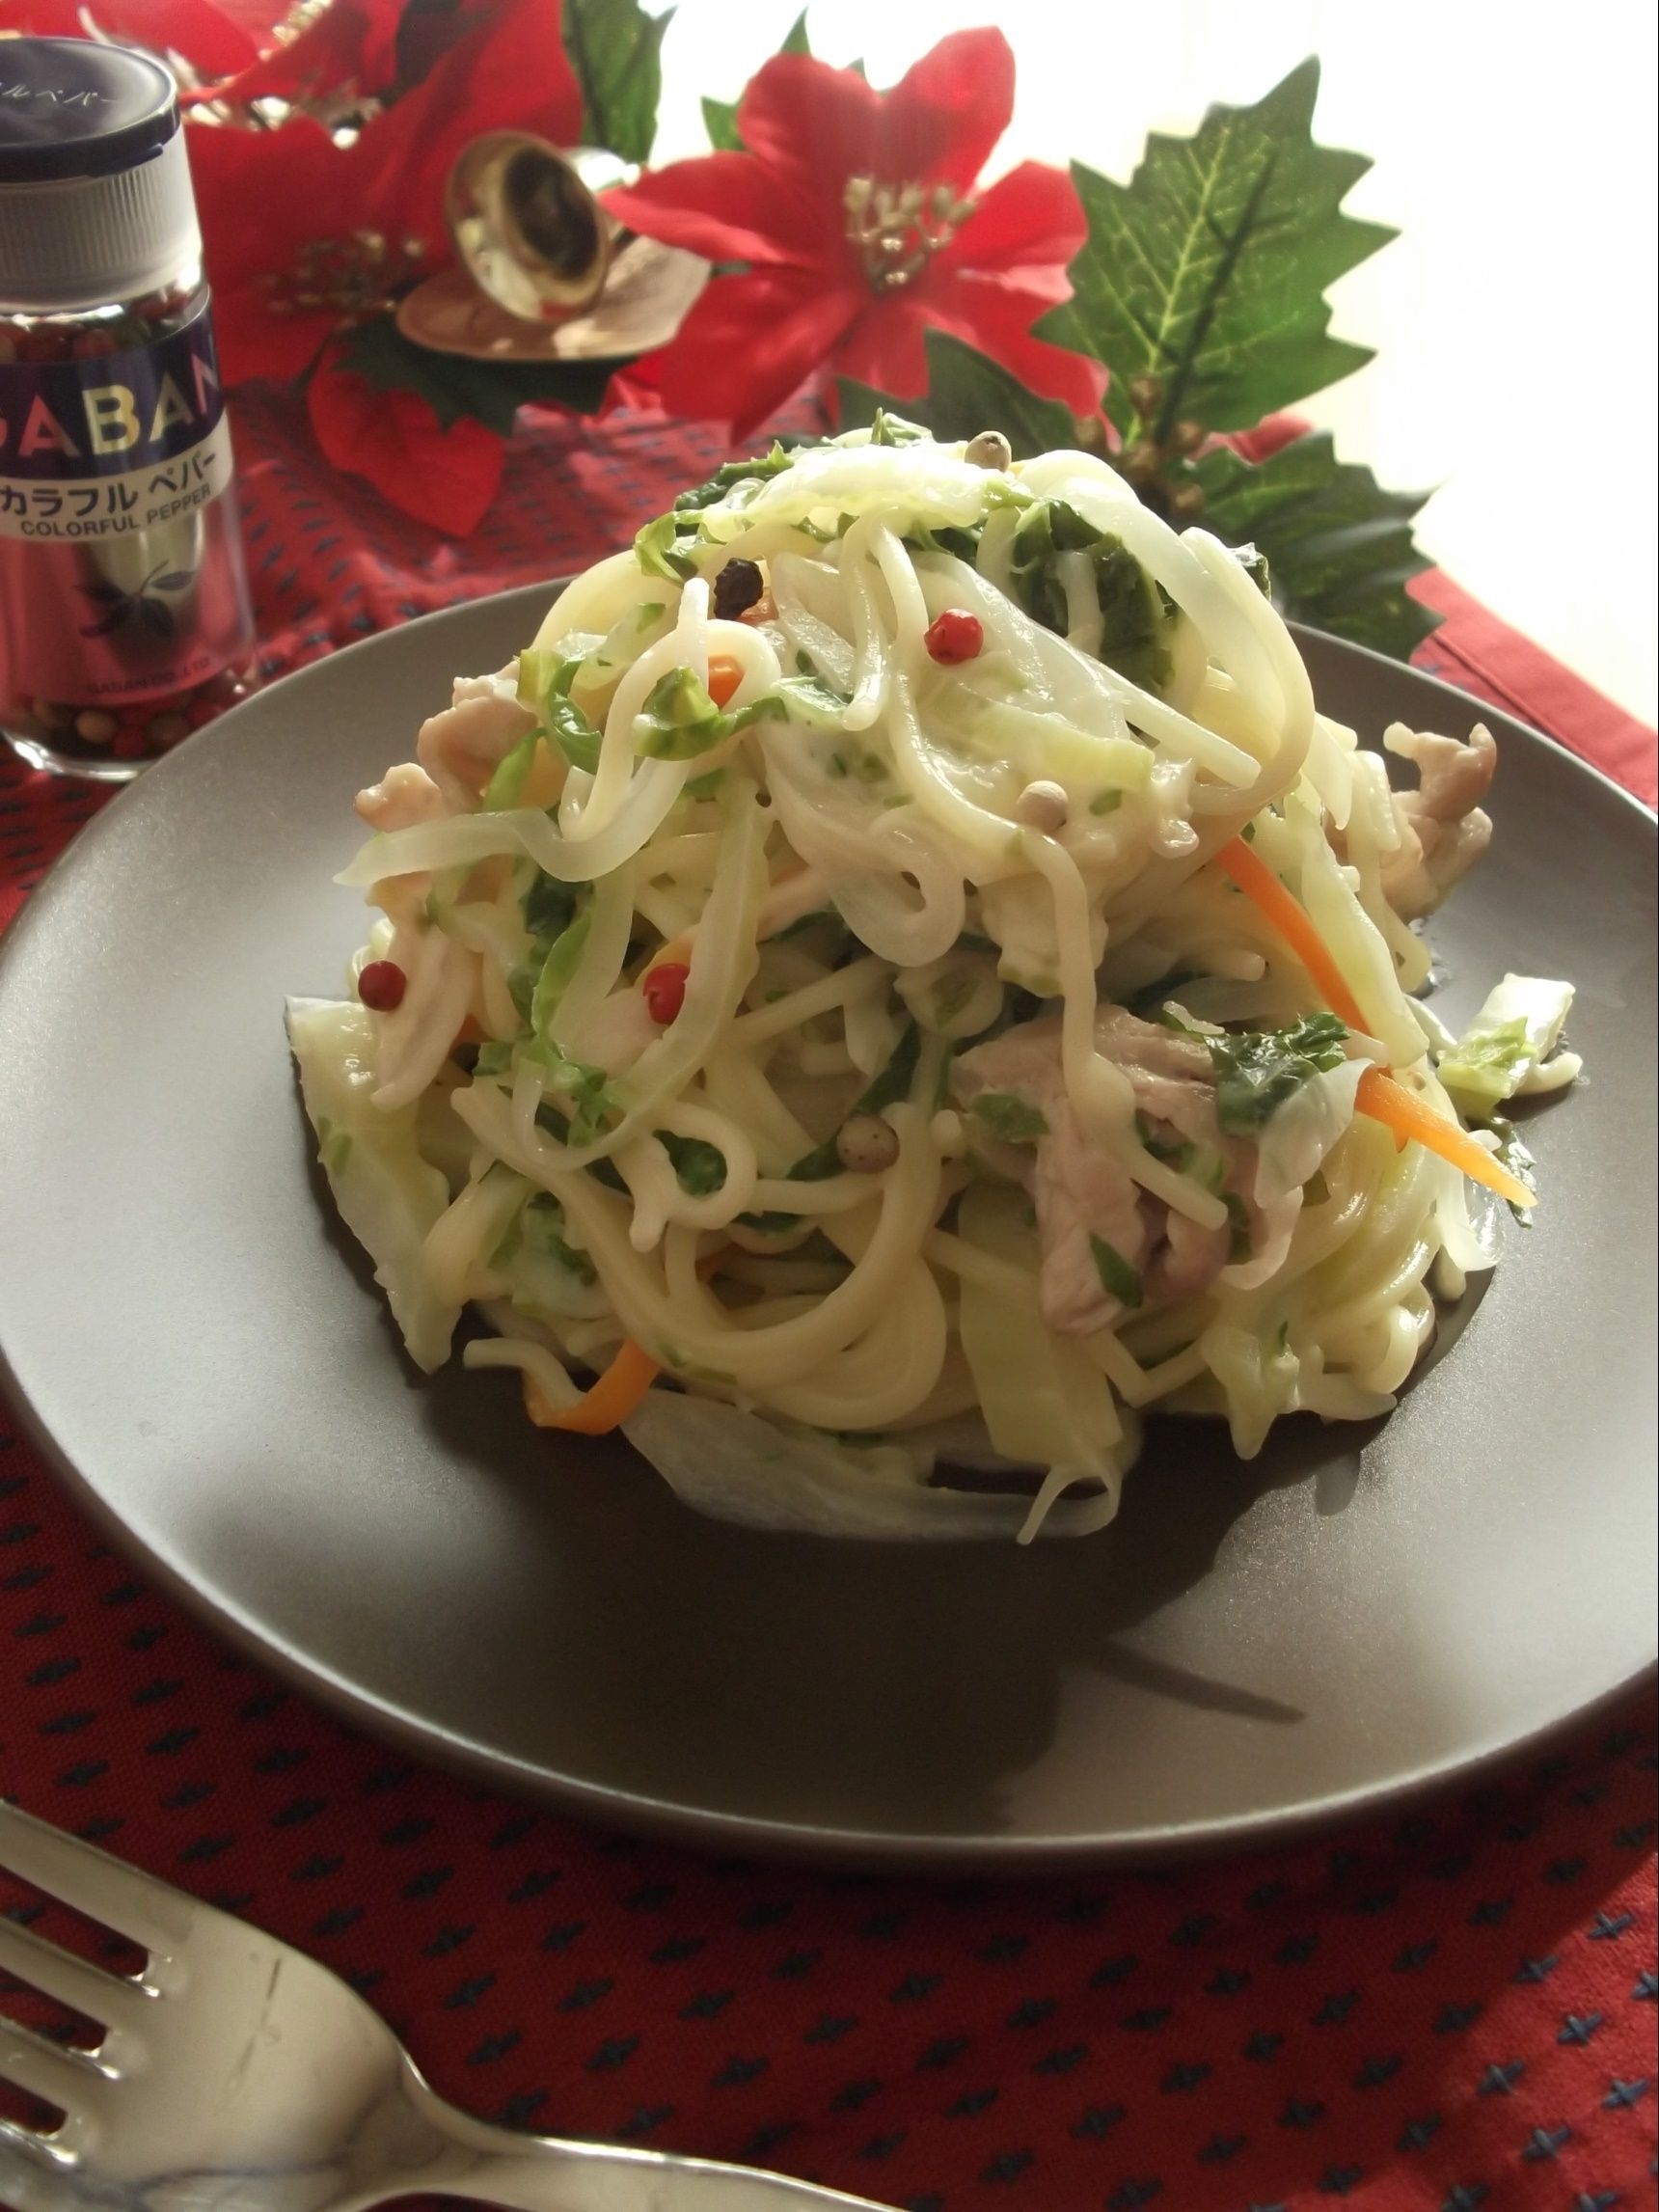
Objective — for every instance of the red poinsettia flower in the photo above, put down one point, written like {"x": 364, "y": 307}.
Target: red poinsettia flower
{"x": 1272, "y": 433}
{"x": 444, "y": 477}
{"x": 354, "y": 49}
{"x": 855, "y": 215}
{"x": 302, "y": 235}
{"x": 208, "y": 41}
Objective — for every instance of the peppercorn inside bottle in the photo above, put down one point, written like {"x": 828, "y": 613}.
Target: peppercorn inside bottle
{"x": 125, "y": 620}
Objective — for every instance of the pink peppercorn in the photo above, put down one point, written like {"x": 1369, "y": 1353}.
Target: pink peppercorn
{"x": 665, "y": 989}
{"x": 955, "y": 636}
{"x": 381, "y": 986}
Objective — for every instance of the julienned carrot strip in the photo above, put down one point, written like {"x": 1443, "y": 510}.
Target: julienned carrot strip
{"x": 608, "y": 1403}
{"x": 724, "y": 677}
{"x": 1379, "y": 1096}
{"x": 1290, "y": 917}
{"x": 1414, "y": 1119}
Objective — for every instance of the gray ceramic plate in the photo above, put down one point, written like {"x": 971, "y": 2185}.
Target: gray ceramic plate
{"x": 1359, "y": 1614}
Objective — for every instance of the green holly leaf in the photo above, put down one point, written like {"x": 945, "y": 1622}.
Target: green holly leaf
{"x": 1208, "y": 270}
{"x": 491, "y": 391}
{"x": 617, "y": 52}
{"x": 719, "y": 121}
{"x": 967, "y": 393}
{"x": 1339, "y": 547}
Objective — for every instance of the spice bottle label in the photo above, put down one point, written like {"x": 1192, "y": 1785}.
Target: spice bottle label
{"x": 120, "y": 566}
{"x": 108, "y": 446}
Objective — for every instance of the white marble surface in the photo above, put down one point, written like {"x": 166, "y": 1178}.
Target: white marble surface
{"x": 1514, "y": 316}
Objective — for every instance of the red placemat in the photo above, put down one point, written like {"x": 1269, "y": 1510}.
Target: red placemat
{"x": 1445, "y": 2012}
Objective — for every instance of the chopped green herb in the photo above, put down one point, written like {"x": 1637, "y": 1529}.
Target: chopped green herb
{"x": 961, "y": 541}
{"x": 509, "y": 778}
{"x": 1254, "y": 564}
{"x": 679, "y": 720}
{"x": 893, "y": 430}
{"x": 1134, "y": 621}
{"x": 660, "y": 549}
{"x": 666, "y": 547}
{"x": 807, "y": 700}
{"x": 561, "y": 1127}
{"x": 771, "y": 1224}
{"x": 1118, "y": 1278}
{"x": 494, "y": 1059}
{"x": 583, "y": 1092}
{"x": 894, "y": 1080}
{"x": 548, "y": 906}
{"x": 578, "y": 739}
{"x": 541, "y": 1223}
{"x": 1012, "y": 1119}
{"x": 1206, "y": 1165}
{"x": 728, "y": 475}
{"x": 563, "y": 958}
{"x": 1173, "y": 1153}
{"x": 700, "y": 1167}
{"x": 1257, "y": 1070}
{"x": 543, "y": 670}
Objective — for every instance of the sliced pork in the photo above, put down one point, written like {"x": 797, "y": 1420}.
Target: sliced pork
{"x": 1082, "y": 1191}
{"x": 1444, "y": 830}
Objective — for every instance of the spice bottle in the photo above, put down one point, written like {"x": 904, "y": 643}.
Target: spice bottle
{"x": 123, "y": 598}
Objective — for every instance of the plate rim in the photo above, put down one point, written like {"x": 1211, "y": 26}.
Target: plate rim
{"x": 803, "y": 1844}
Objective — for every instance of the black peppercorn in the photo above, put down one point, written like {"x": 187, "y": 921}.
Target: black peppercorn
{"x": 737, "y": 588}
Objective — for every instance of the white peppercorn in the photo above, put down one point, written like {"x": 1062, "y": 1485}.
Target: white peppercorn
{"x": 1042, "y": 806}
{"x": 991, "y": 449}
{"x": 867, "y": 1144}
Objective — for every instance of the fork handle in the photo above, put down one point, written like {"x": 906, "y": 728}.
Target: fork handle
{"x": 531, "y": 2174}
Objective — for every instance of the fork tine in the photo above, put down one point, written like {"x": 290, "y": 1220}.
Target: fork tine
{"x": 33, "y": 2170}
{"x": 66, "y": 2078}
{"x": 89, "y": 1880}
{"x": 73, "y": 1982}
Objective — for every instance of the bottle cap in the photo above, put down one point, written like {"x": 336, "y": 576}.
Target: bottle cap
{"x": 95, "y": 204}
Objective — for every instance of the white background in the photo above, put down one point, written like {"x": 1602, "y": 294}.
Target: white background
{"x": 1514, "y": 315}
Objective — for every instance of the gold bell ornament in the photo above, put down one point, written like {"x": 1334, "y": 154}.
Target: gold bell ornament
{"x": 543, "y": 272}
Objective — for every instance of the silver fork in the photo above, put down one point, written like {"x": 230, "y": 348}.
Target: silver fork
{"x": 239, "y": 2074}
